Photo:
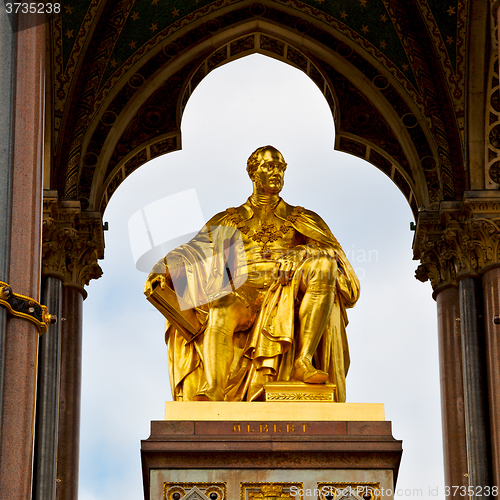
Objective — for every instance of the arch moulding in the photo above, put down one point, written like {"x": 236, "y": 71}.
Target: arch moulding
{"x": 376, "y": 117}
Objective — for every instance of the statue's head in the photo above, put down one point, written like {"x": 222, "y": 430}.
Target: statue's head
{"x": 266, "y": 167}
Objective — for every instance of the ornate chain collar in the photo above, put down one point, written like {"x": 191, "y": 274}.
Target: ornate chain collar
{"x": 268, "y": 232}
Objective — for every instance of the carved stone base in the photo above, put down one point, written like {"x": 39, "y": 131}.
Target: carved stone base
{"x": 269, "y": 459}
{"x": 287, "y": 484}
{"x": 299, "y": 391}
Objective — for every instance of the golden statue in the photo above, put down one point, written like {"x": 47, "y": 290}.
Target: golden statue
{"x": 261, "y": 294}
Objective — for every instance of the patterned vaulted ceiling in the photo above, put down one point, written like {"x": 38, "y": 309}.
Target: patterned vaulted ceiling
{"x": 370, "y": 19}
{"x": 420, "y": 43}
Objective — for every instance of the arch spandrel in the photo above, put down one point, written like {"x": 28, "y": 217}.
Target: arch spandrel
{"x": 380, "y": 115}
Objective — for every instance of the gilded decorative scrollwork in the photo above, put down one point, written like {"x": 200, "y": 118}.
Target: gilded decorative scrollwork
{"x": 458, "y": 241}
{"x": 269, "y": 491}
{"x": 72, "y": 242}
{"x": 492, "y": 123}
{"x": 286, "y": 396}
{"x": 27, "y": 308}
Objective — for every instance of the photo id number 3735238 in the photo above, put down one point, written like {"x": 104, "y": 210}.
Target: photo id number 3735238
{"x": 33, "y": 8}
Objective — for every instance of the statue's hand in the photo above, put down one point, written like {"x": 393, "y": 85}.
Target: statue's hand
{"x": 170, "y": 273}
{"x": 159, "y": 269}
{"x": 290, "y": 262}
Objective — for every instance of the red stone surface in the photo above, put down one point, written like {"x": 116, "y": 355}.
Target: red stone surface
{"x": 68, "y": 445}
{"x": 491, "y": 298}
{"x": 16, "y": 445}
{"x": 257, "y": 445}
{"x": 270, "y": 428}
{"x": 452, "y": 390}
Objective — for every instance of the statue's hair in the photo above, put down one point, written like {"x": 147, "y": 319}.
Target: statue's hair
{"x": 253, "y": 161}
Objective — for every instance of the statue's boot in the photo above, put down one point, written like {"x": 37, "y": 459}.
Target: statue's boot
{"x": 313, "y": 315}
{"x": 304, "y": 371}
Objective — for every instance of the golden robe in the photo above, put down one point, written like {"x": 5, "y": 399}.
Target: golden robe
{"x": 265, "y": 351}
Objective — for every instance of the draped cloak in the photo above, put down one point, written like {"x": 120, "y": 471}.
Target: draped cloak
{"x": 266, "y": 351}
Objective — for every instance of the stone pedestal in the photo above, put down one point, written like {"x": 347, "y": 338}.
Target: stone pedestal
{"x": 220, "y": 457}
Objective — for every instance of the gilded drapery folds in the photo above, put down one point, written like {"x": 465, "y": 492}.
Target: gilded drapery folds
{"x": 72, "y": 242}
{"x": 463, "y": 238}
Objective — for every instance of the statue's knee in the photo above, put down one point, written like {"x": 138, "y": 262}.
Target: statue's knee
{"x": 324, "y": 269}
{"x": 220, "y": 316}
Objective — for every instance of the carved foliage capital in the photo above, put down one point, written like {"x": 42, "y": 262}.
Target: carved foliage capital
{"x": 72, "y": 242}
{"x": 458, "y": 241}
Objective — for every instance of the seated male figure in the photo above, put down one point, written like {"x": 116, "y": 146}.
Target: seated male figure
{"x": 285, "y": 321}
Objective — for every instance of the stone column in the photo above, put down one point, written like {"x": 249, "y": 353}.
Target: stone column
{"x": 46, "y": 422}
{"x": 7, "y": 42}
{"x": 21, "y": 338}
{"x": 72, "y": 243}
{"x": 68, "y": 447}
{"x": 452, "y": 389}
{"x": 475, "y": 387}
{"x": 491, "y": 299}
{"x": 456, "y": 245}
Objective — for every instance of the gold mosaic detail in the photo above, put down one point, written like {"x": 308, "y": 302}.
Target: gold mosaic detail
{"x": 176, "y": 491}
{"x": 269, "y": 491}
{"x": 365, "y": 491}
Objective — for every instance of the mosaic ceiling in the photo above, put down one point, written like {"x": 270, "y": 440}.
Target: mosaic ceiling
{"x": 368, "y": 18}
{"x": 96, "y": 42}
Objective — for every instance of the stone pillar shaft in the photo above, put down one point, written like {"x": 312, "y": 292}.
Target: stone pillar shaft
{"x": 46, "y": 422}
{"x": 475, "y": 391}
{"x": 68, "y": 447}
{"x": 491, "y": 298}
{"x": 7, "y": 61}
{"x": 21, "y": 339}
{"x": 452, "y": 389}
{"x": 72, "y": 243}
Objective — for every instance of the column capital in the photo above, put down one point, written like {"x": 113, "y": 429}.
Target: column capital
{"x": 460, "y": 239}
{"x": 72, "y": 241}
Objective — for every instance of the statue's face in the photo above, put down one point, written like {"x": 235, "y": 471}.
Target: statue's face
{"x": 270, "y": 174}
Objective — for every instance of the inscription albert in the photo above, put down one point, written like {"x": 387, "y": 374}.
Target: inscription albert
{"x": 270, "y": 428}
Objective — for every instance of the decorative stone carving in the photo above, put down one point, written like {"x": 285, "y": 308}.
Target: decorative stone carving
{"x": 72, "y": 242}
{"x": 269, "y": 491}
{"x": 195, "y": 494}
{"x": 419, "y": 98}
{"x": 195, "y": 491}
{"x": 492, "y": 122}
{"x": 463, "y": 238}
{"x": 349, "y": 491}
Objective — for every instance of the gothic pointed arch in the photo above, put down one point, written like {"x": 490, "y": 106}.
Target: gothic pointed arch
{"x": 395, "y": 107}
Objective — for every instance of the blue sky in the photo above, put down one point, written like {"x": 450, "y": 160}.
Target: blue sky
{"x": 393, "y": 329}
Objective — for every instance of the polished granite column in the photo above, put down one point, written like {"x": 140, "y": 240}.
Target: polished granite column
{"x": 452, "y": 389}
{"x": 491, "y": 299}
{"x": 21, "y": 338}
{"x": 7, "y": 61}
{"x": 68, "y": 447}
{"x": 475, "y": 387}
{"x": 46, "y": 422}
